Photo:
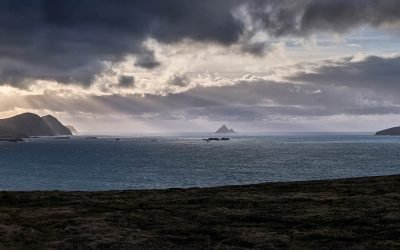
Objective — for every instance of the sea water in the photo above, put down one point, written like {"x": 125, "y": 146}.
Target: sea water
{"x": 186, "y": 160}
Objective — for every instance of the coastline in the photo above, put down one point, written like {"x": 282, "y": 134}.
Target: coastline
{"x": 345, "y": 213}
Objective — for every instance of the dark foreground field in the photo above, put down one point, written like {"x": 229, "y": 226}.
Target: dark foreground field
{"x": 344, "y": 214}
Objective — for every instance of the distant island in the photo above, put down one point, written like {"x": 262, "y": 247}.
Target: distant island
{"x": 389, "y": 131}
{"x": 225, "y": 130}
{"x": 29, "y": 124}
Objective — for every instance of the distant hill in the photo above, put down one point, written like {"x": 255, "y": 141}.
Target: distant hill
{"x": 28, "y": 124}
{"x": 389, "y": 131}
{"x": 7, "y": 134}
{"x": 225, "y": 130}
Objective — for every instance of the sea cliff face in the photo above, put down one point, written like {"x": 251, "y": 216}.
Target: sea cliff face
{"x": 28, "y": 124}
{"x": 73, "y": 130}
{"x": 56, "y": 127}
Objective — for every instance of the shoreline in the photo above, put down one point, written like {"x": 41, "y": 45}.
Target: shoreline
{"x": 342, "y": 213}
{"x": 361, "y": 178}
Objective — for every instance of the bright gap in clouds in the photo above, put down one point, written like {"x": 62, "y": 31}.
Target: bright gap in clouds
{"x": 285, "y": 98}
{"x": 253, "y": 65}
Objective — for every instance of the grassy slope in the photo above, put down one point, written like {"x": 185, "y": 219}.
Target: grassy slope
{"x": 317, "y": 215}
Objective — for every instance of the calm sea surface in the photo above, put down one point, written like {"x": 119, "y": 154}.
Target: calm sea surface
{"x": 185, "y": 160}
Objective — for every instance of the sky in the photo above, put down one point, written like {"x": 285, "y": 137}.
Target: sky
{"x": 188, "y": 66}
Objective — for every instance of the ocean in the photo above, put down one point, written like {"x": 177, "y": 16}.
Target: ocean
{"x": 186, "y": 160}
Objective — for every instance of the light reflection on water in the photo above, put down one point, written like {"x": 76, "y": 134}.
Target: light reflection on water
{"x": 185, "y": 160}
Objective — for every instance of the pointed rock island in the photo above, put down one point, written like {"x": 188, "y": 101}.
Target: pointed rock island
{"x": 29, "y": 124}
{"x": 225, "y": 130}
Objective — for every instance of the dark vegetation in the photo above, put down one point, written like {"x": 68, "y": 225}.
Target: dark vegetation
{"x": 342, "y": 214}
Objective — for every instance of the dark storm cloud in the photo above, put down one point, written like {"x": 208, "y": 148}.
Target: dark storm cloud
{"x": 374, "y": 73}
{"x": 304, "y": 17}
{"x": 340, "y": 15}
{"x": 146, "y": 59}
{"x": 68, "y": 40}
{"x": 126, "y": 81}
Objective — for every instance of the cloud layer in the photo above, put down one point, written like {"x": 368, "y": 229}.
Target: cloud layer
{"x": 71, "y": 41}
{"x": 349, "y": 86}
